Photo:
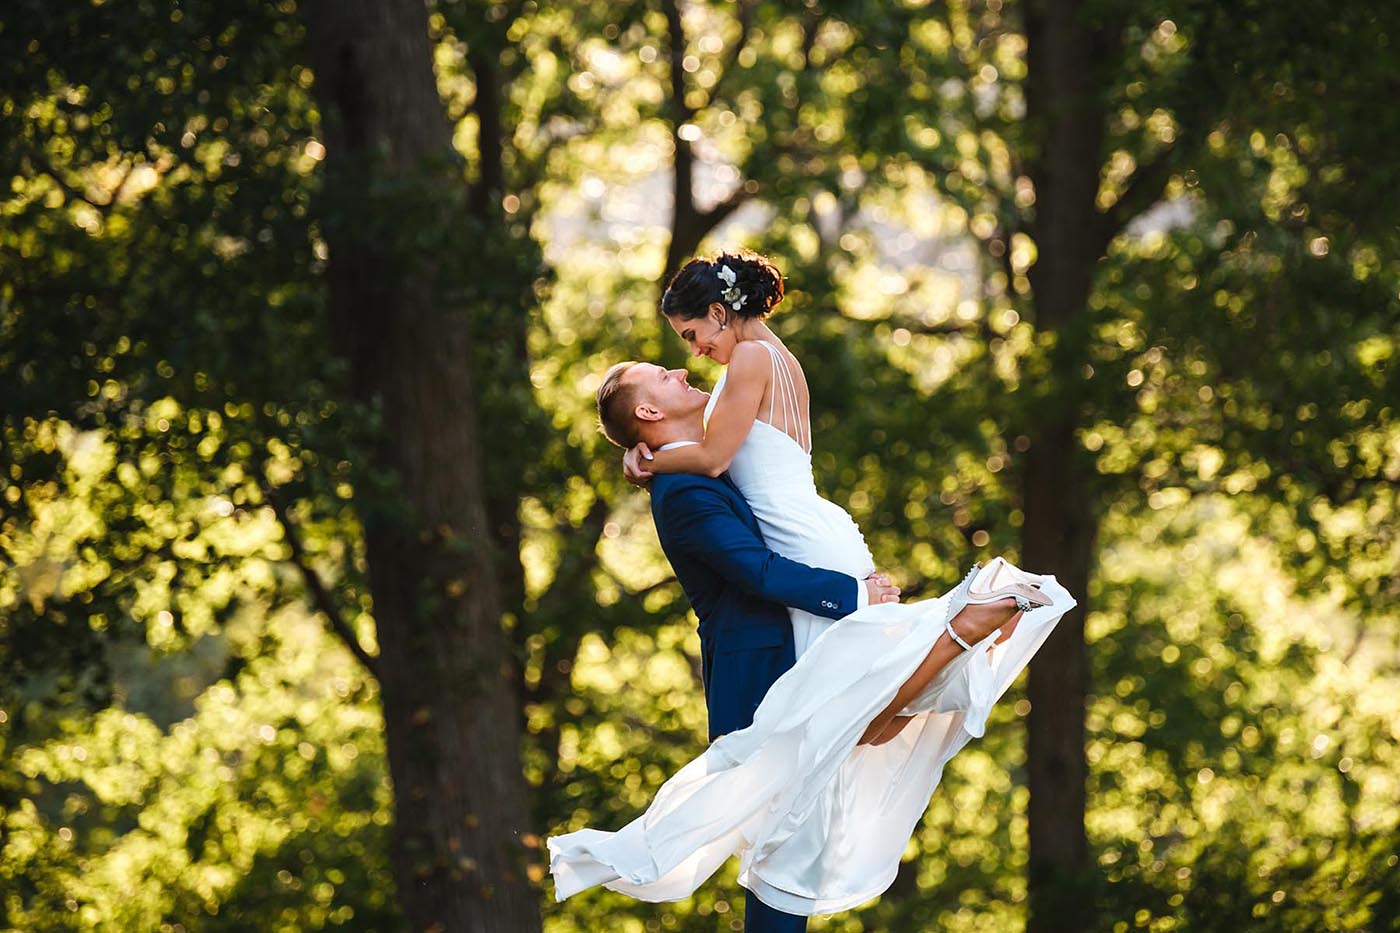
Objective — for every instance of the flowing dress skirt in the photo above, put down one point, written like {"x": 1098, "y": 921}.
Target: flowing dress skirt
{"x": 818, "y": 823}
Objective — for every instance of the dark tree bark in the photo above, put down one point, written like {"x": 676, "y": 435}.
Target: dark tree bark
{"x": 1058, "y": 537}
{"x": 1066, "y": 123}
{"x": 689, "y": 224}
{"x": 685, "y": 217}
{"x": 506, "y": 486}
{"x": 447, "y": 686}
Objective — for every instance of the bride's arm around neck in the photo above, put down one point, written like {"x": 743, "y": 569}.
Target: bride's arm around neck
{"x": 746, "y": 378}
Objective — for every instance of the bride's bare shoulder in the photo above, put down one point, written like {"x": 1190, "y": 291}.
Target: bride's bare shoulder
{"x": 785, "y": 356}
{"x": 749, "y": 361}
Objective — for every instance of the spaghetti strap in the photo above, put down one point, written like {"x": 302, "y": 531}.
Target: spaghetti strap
{"x": 772, "y": 380}
{"x": 784, "y": 385}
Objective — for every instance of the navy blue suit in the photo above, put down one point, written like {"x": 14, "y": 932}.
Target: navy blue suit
{"x": 739, "y": 589}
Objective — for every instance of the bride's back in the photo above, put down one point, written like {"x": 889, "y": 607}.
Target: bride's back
{"x": 773, "y": 471}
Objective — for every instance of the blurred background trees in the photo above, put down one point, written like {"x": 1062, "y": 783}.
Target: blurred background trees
{"x": 296, "y": 406}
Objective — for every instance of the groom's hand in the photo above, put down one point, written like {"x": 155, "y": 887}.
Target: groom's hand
{"x": 632, "y": 469}
{"x": 880, "y": 590}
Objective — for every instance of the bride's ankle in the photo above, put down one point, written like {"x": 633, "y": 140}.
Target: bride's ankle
{"x": 976, "y": 621}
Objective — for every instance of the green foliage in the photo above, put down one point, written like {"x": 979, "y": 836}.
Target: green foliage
{"x": 184, "y": 742}
{"x": 208, "y": 757}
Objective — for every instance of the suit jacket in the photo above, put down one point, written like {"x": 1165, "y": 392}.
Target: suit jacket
{"x": 739, "y": 589}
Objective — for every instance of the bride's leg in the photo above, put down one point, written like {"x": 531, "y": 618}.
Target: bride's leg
{"x": 895, "y": 727}
{"x": 984, "y": 618}
{"x": 943, "y": 651}
{"x": 1009, "y": 627}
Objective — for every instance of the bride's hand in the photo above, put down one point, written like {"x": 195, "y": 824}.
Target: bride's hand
{"x": 632, "y": 469}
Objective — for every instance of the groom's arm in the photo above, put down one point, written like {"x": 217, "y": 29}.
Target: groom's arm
{"x": 701, "y": 522}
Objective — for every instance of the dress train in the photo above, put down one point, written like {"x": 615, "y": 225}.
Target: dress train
{"x": 818, "y": 822}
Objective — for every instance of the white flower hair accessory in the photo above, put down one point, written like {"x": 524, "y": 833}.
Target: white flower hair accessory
{"x": 731, "y": 294}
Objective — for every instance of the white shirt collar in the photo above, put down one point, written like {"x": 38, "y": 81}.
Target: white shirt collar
{"x": 675, "y": 444}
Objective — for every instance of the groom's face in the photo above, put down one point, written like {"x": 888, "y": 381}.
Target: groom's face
{"x": 665, "y": 393}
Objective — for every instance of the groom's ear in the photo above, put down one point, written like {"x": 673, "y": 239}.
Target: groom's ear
{"x": 646, "y": 411}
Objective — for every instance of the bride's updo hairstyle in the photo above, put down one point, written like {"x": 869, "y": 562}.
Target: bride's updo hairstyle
{"x": 747, "y": 284}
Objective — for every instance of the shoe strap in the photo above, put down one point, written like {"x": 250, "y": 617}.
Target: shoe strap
{"x": 948, "y": 624}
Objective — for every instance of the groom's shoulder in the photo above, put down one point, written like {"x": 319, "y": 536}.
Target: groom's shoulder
{"x": 667, "y": 485}
{"x": 671, "y": 483}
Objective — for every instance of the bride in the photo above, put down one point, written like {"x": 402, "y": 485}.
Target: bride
{"x": 820, "y": 795}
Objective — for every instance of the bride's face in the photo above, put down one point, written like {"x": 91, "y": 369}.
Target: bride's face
{"x": 707, "y": 336}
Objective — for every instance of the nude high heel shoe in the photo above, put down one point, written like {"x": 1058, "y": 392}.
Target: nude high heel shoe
{"x": 997, "y": 580}
{"x": 1000, "y": 572}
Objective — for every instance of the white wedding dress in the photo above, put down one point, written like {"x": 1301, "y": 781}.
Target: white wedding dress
{"x": 818, "y": 822}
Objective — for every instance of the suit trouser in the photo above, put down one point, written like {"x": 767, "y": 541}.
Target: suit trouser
{"x": 760, "y": 918}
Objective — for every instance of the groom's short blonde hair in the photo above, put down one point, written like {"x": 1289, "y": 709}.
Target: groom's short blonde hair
{"x": 617, "y": 404}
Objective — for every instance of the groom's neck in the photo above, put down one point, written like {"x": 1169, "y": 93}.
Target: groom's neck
{"x": 669, "y": 432}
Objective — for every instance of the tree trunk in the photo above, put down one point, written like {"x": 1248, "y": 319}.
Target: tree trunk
{"x": 685, "y": 235}
{"x": 1066, "y": 124}
{"x": 1058, "y": 538}
{"x": 450, "y": 720}
{"x": 689, "y": 224}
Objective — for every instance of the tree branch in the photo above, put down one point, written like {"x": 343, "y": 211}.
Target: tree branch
{"x": 651, "y": 729}
{"x": 745, "y": 26}
{"x": 716, "y": 215}
{"x": 487, "y": 104}
{"x": 676, "y": 35}
{"x": 689, "y": 226}
{"x": 811, "y": 25}
{"x": 943, "y": 328}
{"x": 1141, "y": 192}
{"x": 645, "y": 591}
{"x": 683, "y": 214}
{"x": 321, "y": 597}
{"x": 74, "y": 194}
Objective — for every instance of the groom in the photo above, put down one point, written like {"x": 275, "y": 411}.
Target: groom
{"x": 737, "y": 586}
